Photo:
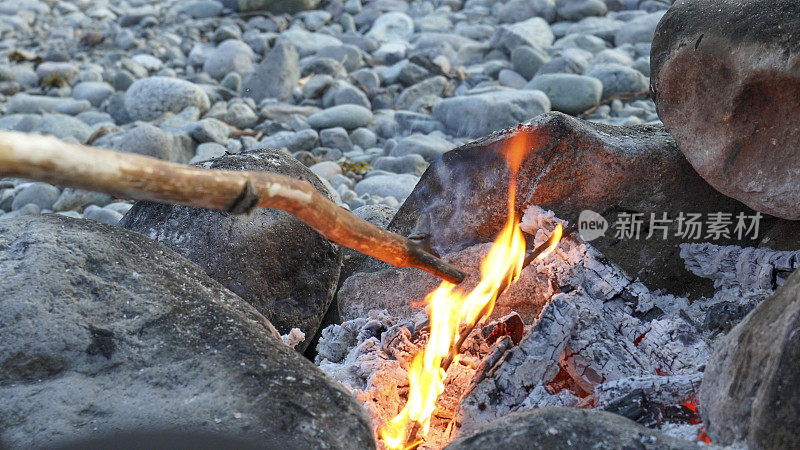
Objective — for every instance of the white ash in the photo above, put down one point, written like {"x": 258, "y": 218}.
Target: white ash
{"x": 601, "y": 336}
{"x": 664, "y": 390}
{"x": 751, "y": 269}
{"x": 294, "y": 337}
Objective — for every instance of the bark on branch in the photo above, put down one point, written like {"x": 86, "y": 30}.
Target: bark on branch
{"x": 132, "y": 176}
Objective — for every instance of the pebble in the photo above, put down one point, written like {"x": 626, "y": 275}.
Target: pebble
{"x": 428, "y": 147}
{"x": 337, "y": 138}
{"x": 527, "y": 60}
{"x": 619, "y": 79}
{"x": 231, "y": 56}
{"x": 150, "y": 98}
{"x": 148, "y": 140}
{"x": 413, "y": 164}
{"x": 392, "y": 26}
{"x": 96, "y": 92}
{"x": 481, "y": 114}
{"x": 104, "y": 215}
{"x": 569, "y": 93}
{"x": 276, "y": 76}
{"x": 345, "y": 116}
{"x": 42, "y": 195}
{"x": 326, "y": 169}
{"x": 397, "y": 186}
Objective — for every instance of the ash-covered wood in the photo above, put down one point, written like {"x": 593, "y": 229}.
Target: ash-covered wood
{"x": 752, "y": 268}
{"x": 603, "y": 337}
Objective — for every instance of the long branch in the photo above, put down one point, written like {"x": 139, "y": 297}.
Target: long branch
{"x": 133, "y": 176}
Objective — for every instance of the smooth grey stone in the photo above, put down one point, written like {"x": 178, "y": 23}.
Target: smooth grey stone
{"x": 306, "y": 43}
{"x": 586, "y": 42}
{"x": 241, "y": 116}
{"x": 73, "y": 108}
{"x": 335, "y": 138}
{"x": 96, "y": 92}
{"x": 569, "y": 93}
{"x": 316, "y": 85}
{"x": 29, "y": 209}
{"x": 534, "y": 32}
{"x": 275, "y": 77}
{"x": 517, "y": 10}
{"x": 150, "y": 98}
{"x": 63, "y": 127}
{"x": 481, "y": 114}
{"x": 206, "y": 151}
{"x": 413, "y": 164}
{"x": 640, "y": 29}
{"x": 42, "y": 195}
{"x": 363, "y": 137}
{"x": 326, "y": 169}
{"x": 397, "y": 186}
{"x": 294, "y": 141}
{"x": 231, "y": 56}
{"x": 527, "y": 60}
{"x": 566, "y": 63}
{"x": 203, "y": 9}
{"x": 25, "y": 103}
{"x": 618, "y": 79}
{"x": 431, "y": 87}
{"x": 575, "y": 10}
{"x": 49, "y": 70}
{"x": 149, "y": 140}
{"x": 612, "y": 56}
{"x": 71, "y": 199}
{"x": 391, "y": 26}
{"x": 99, "y": 214}
{"x": 428, "y": 147}
{"x": 511, "y": 79}
{"x": 345, "y": 116}
{"x": 232, "y": 81}
{"x": 348, "y": 55}
{"x": 351, "y": 95}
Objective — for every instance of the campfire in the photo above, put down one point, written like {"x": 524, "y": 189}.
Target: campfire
{"x": 454, "y": 313}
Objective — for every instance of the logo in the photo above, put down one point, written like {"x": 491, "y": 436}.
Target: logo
{"x": 591, "y": 225}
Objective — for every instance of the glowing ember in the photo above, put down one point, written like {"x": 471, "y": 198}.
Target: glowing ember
{"x": 450, "y": 308}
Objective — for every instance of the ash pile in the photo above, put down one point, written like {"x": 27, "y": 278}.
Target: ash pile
{"x": 573, "y": 331}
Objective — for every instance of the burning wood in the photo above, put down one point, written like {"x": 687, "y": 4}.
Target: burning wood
{"x": 133, "y": 176}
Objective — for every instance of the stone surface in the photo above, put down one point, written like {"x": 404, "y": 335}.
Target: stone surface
{"x": 397, "y": 186}
{"x": 106, "y": 331}
{"x": 149, "y": 140}
{"x": 428, "y": 147}
{"x": 751, "y": 387}
{"x": 574, "y": 165}
{"x": 482, "y": 114}
{"x": 345, "y": 116}
{"x": 724, "y": 79}
{"x": 150, "y": 98}
{"x": 566, "y": 428}
{"x": 569, "y": 93}
{"x": 231, "y": 56}
{"x": 275, "y": 77}
{"x": 618, "y": 79}
{"x": 273, "y": 6}
{"x": 270, "y": 258}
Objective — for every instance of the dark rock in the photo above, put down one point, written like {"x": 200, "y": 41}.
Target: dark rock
{"x": 269, "y": 258}
{"x": 575, "y": 165}
{"x": 751, "y": 387}
{"x": 276, "y": 76}
{"x": 566, "y": 428}
{"x": 105, "y": 330}
{"x": 725, "y": 81}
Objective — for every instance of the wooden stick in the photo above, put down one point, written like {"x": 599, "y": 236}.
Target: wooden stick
{"x": 133, "y": 176}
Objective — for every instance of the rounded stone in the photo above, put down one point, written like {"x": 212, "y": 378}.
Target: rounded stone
{"x": 150, "y": 98}
{"x": 345, "y": 116}
{"x": 278, "y": 264}
{"x": 122, "y": 334}
{"x": 569, "y": 93}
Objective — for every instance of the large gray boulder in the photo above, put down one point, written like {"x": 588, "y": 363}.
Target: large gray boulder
{"x": 567, "y": 429}
{"x": 282, "y": 267}
{"x": 104, "y": 330}
{"x": 726, "y": 82}
{"x": 751, "y": 386}
{"x": 573, "y": 165}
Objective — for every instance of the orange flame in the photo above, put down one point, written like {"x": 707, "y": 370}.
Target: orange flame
{"x": 450, "y": 308}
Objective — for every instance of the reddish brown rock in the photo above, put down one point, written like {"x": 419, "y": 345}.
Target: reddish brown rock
{"x": 726, "y": 81}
